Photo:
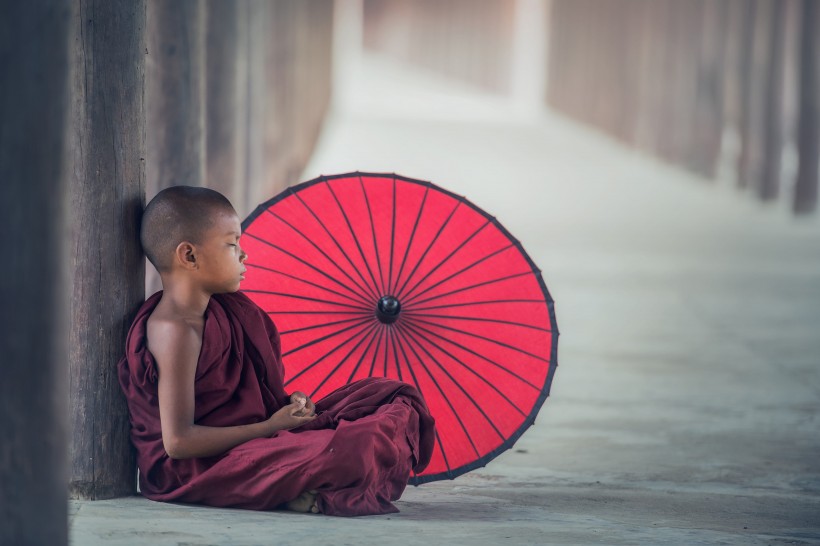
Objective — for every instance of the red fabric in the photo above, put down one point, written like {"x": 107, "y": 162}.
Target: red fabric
{"x": 358, "y": 453}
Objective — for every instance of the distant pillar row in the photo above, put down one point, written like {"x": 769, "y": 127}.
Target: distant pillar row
{"x": 701, "y": 84}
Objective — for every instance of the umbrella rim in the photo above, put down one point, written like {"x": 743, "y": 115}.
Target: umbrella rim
{"x": 545, "y": 392}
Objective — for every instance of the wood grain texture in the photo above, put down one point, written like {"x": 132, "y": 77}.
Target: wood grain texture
{"x": 107, "y": 197}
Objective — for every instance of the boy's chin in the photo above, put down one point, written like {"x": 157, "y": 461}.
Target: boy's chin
{"x": 229, "y": 290}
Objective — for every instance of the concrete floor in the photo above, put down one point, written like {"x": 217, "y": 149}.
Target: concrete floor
{"x": 685, "y": 406}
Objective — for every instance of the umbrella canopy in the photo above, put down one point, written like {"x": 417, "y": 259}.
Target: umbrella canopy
{"x": 381, "y": 275}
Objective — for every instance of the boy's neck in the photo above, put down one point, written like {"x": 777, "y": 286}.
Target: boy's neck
{"x": 184, "y": 300}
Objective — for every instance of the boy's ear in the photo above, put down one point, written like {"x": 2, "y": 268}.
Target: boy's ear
{"x": 186, "y": 255}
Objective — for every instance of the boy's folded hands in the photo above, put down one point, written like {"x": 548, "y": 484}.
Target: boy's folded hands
{"x": 300, "y": 411}
{"x": 308, "y": 408}
{"x": 289, "y": 417}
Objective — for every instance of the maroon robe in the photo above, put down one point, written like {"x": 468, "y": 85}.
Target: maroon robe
{"x": 358, "y": 453}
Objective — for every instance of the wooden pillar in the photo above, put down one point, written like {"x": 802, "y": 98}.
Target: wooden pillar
{"x": 768, "y": 185}
{"x": 808, "y": 143}
{"x": 707, "y": 131}
{"x": 33, "y": 107}
{"x": 733, "y": 88}
{"x": 174, "y": 101}
{"x": 174, "y": 94}
{"x": 650, "y": 100}
{"x": 747, "y": 84}
{"x": 760, "y": 165}
{"x": 107, "y": 197}
{"x": 225, "y": 99}
{"x": 259, "y": 153}
{"x": 299, "y": 62}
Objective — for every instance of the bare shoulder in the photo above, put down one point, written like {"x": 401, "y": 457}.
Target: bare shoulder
{"x": 173, "y": 340}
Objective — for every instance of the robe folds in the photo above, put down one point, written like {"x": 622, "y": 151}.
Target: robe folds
{"x": 358, "y": 453}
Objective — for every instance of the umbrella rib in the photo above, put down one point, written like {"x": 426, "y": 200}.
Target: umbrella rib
{"x": 335, "y": 241}
{"x": 494, "y": 363}
{"x": 456, "y": 291}
{"x": 479, "y": 319}
{"x": 315, "y": 362}
{"x": 485, "y": 338}
{"x": 436, "y": 383}
{"x": 325, "y": 337}
{"x": 308, "y": 298}
{"x": 390, "y": 335}
{"x": 324, "y": 324}
{"x": 418, "y": 386}
{"x": 373, "y": 231}
{"x": 426, "y": 250}
{"x": 313, "y": 243}
{"x": 392, "y": 239}
{"x": 343, "y": 359}
{"x": 443, "y": 454}
{"x": 459, "y": 272}
{"x": 360, "y": 313}
{"x": 412, "y": 236}
{"x": 364, "y": 354}
{"x": 468, "y": 368}
{"x": 352, "y": 234}
{"x": 460, "y": 387}
{"x": 294, "y": 277}
{"x": 398, "y": 365}
{"x": 442, "y": 262}
{"x": 470, "y": 303}
{"x": 376, "y": 352}
{"x": 294, "y": 256}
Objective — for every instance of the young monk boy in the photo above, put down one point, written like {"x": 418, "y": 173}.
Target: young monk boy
{"x": 203, "y": 377}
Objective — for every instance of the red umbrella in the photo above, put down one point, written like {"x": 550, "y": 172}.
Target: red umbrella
{"x": 381, "y": 275}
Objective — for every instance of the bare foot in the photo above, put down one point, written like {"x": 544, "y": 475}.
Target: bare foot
{"x": 305, "y": 503}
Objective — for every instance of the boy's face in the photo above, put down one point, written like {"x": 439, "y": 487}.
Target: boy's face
{"x": 220, "y": 257}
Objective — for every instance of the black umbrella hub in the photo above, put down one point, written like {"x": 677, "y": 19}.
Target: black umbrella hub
{"x": 387, "y": 309}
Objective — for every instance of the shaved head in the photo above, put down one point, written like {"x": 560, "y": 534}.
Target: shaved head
{"x": 176, "y": 214}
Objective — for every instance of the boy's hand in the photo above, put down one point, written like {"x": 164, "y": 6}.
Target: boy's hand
{"x": 307, "y": 406}
{"x": 289, "y": 417}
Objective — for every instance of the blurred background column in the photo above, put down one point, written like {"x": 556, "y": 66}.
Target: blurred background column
{"x": 528, "y": 56}
{"x": 225, "y": 77}
{"x": 805, "y": 198}
{"x": 33, "y": 342}
{"x": 175, "y": 94}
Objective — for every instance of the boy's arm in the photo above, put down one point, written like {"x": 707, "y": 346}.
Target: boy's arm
{"x": 175, "y": 346}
